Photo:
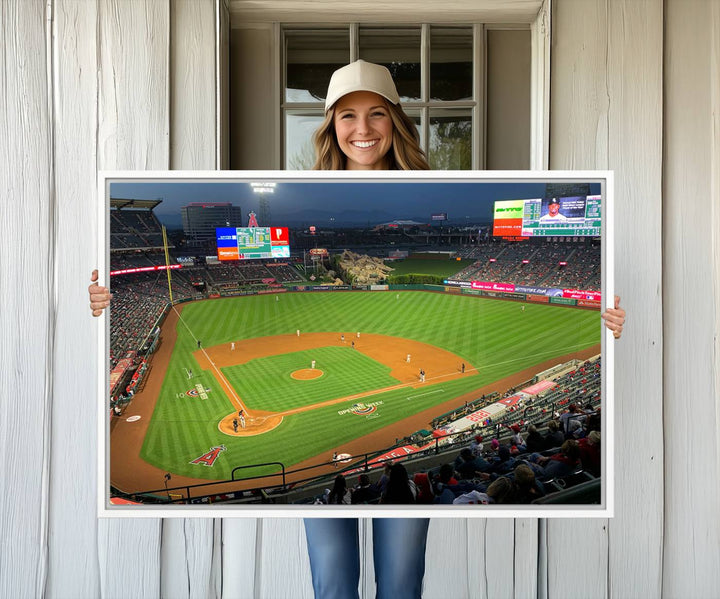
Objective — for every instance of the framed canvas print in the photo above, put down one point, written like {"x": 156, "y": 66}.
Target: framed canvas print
{"x": 356, "y": 344}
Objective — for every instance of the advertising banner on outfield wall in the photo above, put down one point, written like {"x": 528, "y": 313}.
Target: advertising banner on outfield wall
{"x": 489, "y": 286}
{"x": 540, "y": 299}
{"x": 588, "y": 304}
{"x": 509, "y": 287}
{"x": 538, "y": 290}
{"x": 563, "y": 300}
{"x": 583, "y": 295}
{"x": 322, "y": 288}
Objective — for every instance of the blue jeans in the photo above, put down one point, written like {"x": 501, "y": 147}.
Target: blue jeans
{"x": 398, "y": 553}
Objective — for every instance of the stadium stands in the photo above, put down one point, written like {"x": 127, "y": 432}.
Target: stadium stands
{"x": 502, "y": 262}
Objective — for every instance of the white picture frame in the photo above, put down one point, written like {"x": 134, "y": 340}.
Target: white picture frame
{"x": 603, "y": 179}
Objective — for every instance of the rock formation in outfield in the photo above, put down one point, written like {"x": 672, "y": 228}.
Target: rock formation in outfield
{"x": 364, "y": 270}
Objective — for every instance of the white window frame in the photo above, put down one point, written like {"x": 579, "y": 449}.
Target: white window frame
{"x": 539, "y": 24}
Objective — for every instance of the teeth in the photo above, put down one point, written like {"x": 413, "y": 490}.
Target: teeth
{"x": 364, "y": 144}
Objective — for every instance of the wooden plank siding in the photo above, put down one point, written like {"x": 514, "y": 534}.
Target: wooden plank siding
{"x": 606, "y": 113}
{"x": 692, "y": 305}
{"x": 27, "y": 318}
{"x": 133, "y": 133}
{"x": 117, "y": 84}
{"x": 73, "y": 540}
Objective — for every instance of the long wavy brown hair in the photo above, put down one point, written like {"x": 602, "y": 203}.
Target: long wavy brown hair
{"x": 405, "y": 153}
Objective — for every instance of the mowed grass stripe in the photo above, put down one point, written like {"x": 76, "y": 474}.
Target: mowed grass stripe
{"x": 495, "y": 336}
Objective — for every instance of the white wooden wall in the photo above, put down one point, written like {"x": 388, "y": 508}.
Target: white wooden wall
{"x": 607, "y": 113}
{"x": 115, "y": 84}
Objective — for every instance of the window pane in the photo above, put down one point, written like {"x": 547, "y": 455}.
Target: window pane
{"x": 451, "y": 56}
{"x": 311, "y": 57}
{"x": 415, "y": 117}
{"x": 299, "y": 150}
{"x": 450, "y": 145}
{"x": 399, "y": 51}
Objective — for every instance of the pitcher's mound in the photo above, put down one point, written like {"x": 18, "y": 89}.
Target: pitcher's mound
{"x": 256, "y": 423}
{"x": 307, "y": 374}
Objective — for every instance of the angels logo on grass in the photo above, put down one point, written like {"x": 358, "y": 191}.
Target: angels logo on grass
{"x": 208, "y": 459}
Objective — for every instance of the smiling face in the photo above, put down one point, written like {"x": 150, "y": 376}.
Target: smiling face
{"x": 364, "y": 130}
{"x": 553, "y": 209}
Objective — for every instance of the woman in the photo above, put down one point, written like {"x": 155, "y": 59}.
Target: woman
{"x": 364, "y": 129}
{"x": 340, "y": 494}
{"x": 400, "y": 489}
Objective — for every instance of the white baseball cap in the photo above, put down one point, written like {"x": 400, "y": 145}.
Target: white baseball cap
{"x": 361, "y": 76}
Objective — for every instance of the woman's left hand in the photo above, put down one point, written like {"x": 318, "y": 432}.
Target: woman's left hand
{"x": 615, "y": 318}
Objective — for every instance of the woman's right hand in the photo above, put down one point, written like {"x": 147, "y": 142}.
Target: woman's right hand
{"x": 99, "y": 296}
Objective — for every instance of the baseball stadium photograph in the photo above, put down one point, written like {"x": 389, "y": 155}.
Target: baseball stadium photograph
{"x": 304, "y": 342}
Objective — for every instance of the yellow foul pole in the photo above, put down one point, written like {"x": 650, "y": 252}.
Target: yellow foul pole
{"x": 167, "y": 262}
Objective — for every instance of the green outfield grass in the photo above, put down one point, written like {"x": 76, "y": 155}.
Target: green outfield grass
{"x": 442, "y": 268}
{"x": 494, "y": 336}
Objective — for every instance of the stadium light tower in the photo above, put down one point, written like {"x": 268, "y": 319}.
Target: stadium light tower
{"x": 263, "y": 188}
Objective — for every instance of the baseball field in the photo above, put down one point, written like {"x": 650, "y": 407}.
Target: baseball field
{"x": 368, "y": 349}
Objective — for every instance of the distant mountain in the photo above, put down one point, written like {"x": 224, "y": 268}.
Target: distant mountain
{"x": 328, "y": 218}
{"x": 360, "y": 218}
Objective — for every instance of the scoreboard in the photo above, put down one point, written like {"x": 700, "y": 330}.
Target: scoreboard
{"x": 252, "y": 243}
{"x": 577, "y": 216}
